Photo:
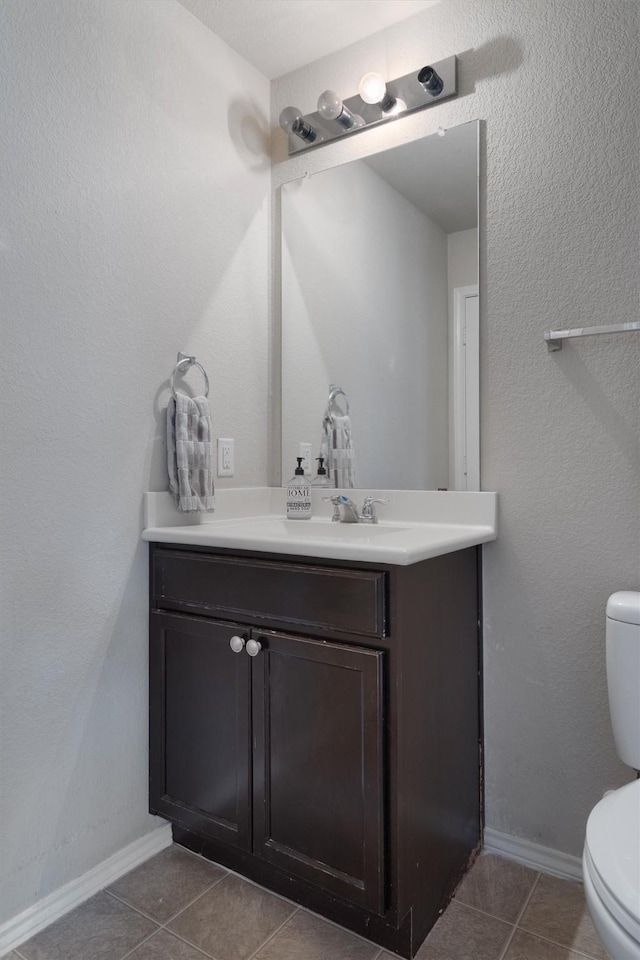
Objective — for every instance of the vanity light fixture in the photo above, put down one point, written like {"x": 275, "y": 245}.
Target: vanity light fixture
{"x": 293, "y": 123}
{"x": 377, "y": 102}
{"x": 331, "y": 107}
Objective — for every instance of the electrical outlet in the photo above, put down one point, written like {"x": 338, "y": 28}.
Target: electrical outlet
{"x": 225, "y": 457}
{"x": 305, "y": 453}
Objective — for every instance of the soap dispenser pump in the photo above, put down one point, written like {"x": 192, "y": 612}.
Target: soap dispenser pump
{"x": 321, "y": 479}
{"x": 298, "y": 495}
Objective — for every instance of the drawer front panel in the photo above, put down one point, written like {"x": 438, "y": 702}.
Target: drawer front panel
{"x": 326, "y": 598}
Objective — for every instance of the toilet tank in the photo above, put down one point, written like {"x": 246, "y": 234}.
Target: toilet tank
{"x": 623, "y": 673}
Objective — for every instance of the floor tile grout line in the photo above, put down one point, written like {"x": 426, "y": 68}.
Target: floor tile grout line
{"x": 280, "y": 896}
{"x": 140, "y": 913}
{"x": 163, "y": 926}
{"x": 173, "y": 916}
{"x": 467, "y": 906}
{"x": 209, "y": 956}
{"x": 556, "y": 943}
{"x": 195, "y": 900}
{"x": 541, "y": 936}
{"x": 491, "y": 916}
{"x": 142, "y": 942}
{"x": 125, "y": 903}
{"x": 178, "y": 936}
{"x": 527, "y": 901}
{"x": 519, "y": 917}
{"x": 189, "y": 943}
{"x": 254, "y": 883}
{"x": 228, "y": 872}
{"x": 274, "y": 934}
{"x": 183, "y": 939}
{"x": 507, "y": 945}
{"x": 339, "y": 926}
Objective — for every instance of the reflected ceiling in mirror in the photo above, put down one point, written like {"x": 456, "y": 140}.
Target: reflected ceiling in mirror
{"x": 380, "y": 297}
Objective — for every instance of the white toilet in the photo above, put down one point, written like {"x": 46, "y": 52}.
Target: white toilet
{"x": 611, "y": 859}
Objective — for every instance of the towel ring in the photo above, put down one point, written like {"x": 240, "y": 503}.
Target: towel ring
{"x": 334, "y": 392}
{"x": 185, "y": 362}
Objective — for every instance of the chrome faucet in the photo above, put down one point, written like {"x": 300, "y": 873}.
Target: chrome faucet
{"x": 345, "y": 510}
{"x": 368, "y": 514}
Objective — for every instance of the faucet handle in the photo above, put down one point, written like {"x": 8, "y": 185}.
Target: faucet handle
{"x": 368, "y": 514}
{"x": 335, "y": 500}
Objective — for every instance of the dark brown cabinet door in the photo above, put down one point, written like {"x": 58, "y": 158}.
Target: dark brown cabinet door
{"x": 317, "y": 764}
{"x": 200, "y": 714}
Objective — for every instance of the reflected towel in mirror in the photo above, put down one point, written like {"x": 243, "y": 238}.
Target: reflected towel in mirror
{"x": 337, "y": 449}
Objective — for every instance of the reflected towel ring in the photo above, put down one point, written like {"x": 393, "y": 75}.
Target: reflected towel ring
{"x": 334, "y": 392}
{"x": 183, "y": 364}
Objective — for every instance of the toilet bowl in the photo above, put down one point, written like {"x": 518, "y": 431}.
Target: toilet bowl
{"x": 611, "y": 859}
{"x": 611, "y": 871}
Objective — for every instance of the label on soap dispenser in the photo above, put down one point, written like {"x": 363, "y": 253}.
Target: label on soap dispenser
{"x": 299, "y": 500}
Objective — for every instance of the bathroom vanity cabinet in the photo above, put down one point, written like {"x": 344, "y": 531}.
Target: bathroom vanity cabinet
{"x": 340, "y": 765}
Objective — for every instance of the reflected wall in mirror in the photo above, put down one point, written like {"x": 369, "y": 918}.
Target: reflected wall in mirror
{"x": 380, "y": 297}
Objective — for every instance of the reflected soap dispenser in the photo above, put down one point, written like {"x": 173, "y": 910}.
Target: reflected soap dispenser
{"x": 299, "y": 495}
{"x": 321, "y": 479}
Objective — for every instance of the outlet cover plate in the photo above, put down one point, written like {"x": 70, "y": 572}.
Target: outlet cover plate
{"x": 305, "y": 453}
{"x": 226, "y": 457}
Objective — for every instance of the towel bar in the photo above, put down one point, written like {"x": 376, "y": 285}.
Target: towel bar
{"x": 554, "y": 338}
{"x": 183, "y": 364}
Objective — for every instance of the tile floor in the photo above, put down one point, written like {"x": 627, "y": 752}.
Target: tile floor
{"x": 178, "y": 906}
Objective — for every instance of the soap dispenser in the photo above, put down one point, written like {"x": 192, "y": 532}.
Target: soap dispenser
{"x": 299, "y": 495}
{"x": 321, "y": 479}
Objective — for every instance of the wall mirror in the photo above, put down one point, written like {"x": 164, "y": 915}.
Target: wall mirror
{"x": 380, "y": 299}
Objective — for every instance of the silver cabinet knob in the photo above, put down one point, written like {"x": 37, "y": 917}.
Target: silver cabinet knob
{"x": 237, "y": 644}
{"x": 253, "y": 647}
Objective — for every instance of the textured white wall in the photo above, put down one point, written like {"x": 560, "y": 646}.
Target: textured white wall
{"x": 360, "y": 262}
{"x": 557, "y": 86}
{"x": 133, "y": 223}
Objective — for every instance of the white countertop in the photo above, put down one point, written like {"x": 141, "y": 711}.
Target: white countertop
{"x": 414, "y": 526}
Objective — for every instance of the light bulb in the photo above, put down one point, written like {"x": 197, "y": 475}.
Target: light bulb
{"x": 331, "y": 107}
{"x": 288, "y": 117}
{"x": 292, "y": 121}
{"x": 373, "y": 89}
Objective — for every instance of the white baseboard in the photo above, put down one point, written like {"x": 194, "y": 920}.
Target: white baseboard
{"x": 533, "y": 855}
{"x": 56, "y": 904}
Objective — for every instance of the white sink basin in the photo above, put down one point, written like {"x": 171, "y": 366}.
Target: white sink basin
{"x": 325, "y": 529}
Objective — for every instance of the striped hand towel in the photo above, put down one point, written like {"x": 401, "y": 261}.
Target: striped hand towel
{"x": 337, "y": 449}
{"x": 190, "y": 453}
